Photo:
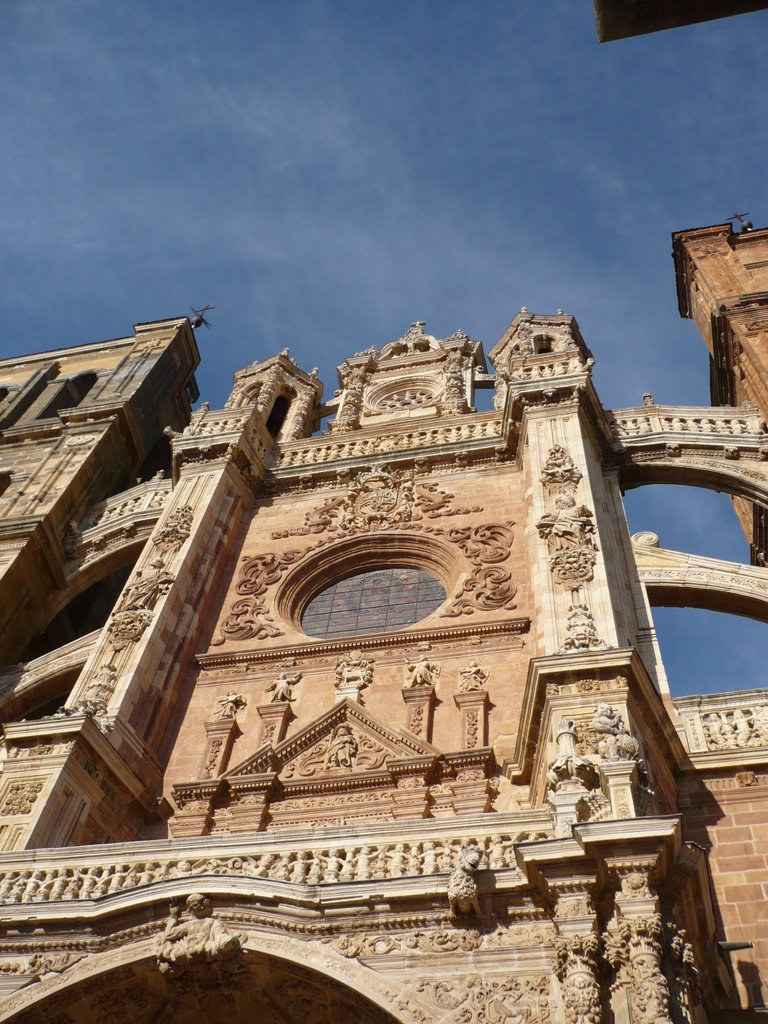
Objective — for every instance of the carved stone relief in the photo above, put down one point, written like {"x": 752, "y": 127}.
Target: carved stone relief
{"x": 486, "y": 1000}
{"x": 20, "y": 797}
{"x": 421, "y": 672}
{"x": 379, "y": 496}
{"x": 633, "y": 948}
{"x": 472, "y": 677}
{"x": 282, "y": 686}
{"x": 169, "y": 539}
{"x": 354, "y": 672}
{"x": 462, "y": 886}
{"x": 133, "y": 612}
{"x": 569, "y": 532}
{"x": 198, "y": 940}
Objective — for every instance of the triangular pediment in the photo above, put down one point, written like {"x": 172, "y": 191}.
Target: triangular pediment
{"x": 345, "y": 739}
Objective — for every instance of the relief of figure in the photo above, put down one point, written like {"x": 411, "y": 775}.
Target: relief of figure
{"x": 472, "y": 677}
{"x": 147, "y": 587}
{"x": 569, "y": 526}
{"x": 199, "y": 939}
{"x": 422, "y": 672}
{"x": 282, "y": 687}
{"x": 229, "y": 705}
{"x": 742, "y": 727}
{"x": 342, "y": 750}
{"x": 719, "y": 732}
{"x": 353, "y": 671}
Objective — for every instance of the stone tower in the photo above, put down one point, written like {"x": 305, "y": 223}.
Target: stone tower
{"x": 367, "y": 721}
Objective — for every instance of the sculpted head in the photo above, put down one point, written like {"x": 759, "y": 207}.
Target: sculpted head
{"x": 198, "y": 904}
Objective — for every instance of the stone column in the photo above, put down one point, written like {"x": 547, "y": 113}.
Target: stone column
{"x": 633, "y": 944}
{"x": 577, "y": 947}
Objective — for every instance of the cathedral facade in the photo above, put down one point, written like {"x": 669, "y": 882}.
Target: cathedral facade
{"x": 352, "y": 710}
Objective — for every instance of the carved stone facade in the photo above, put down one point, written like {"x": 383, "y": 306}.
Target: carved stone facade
{"x": 465, "y": 794}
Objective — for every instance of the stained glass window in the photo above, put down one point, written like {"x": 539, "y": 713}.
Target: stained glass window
{"x": 373, "y": 602}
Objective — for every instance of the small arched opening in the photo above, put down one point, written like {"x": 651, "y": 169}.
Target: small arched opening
{"x": 278, "y": 414}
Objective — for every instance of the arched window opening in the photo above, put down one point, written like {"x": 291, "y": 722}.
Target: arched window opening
{"x": 84, "y": 613}
{"x": 710, "y": 652}
{"x": 277, "y": 416}
{"x": 542, "y": 343}
{"x": 158, "y": 460}
{"x": 48, "y": 707}
{"x": 690, "y": 519}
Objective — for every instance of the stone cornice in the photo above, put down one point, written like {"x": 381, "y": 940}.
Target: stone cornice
{"x": 239, "y": 659}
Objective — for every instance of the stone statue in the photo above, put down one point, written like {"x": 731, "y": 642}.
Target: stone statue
{"x": 472, "y": 677}
{"x": 342, "y": 750}
{"x": 570, "y": 526}
{"x": 229, "y": 705}
{"x": 199, "y": 940}
{"x": 462, "y": 887}
{"x": 281, "y": 688}
{"x": 422, "y": 672}
{"x": 614, "y": 743}
{"x": 353, "y": 673}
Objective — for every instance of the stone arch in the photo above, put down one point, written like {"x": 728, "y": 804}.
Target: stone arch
{"x": 697, "y": 469}
{"x": 27, "y": 687}
{"x": 674, "y": 579}
{"x": 302, "y": 980}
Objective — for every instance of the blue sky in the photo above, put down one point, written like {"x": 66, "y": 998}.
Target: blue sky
{"x": 326, "y": 172}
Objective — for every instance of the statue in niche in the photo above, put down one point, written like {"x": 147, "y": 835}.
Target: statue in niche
{"x": 342, "y": 750}
{"x": 282, "y": 687}
{"x": 614, "y": 743}
{"x": 472, "y": 677}
{"x": 229, "y": 705}
{"x": 421, "y": 672}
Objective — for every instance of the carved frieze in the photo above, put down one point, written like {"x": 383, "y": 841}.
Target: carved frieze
{"x": 477, "y": 999}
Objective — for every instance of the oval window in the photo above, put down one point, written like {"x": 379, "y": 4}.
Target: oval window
{"x": 382, "y": 601}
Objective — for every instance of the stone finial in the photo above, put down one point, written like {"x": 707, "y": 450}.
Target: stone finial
{"x": 570, "y": 771}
